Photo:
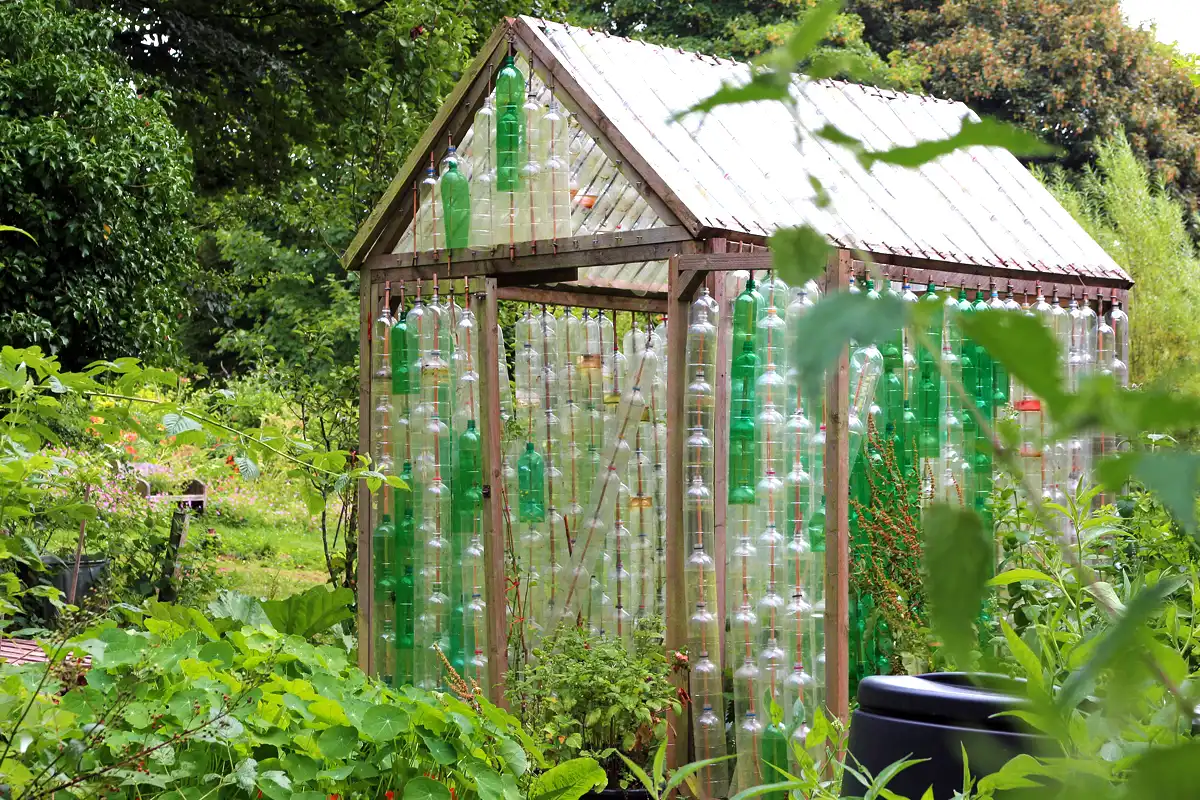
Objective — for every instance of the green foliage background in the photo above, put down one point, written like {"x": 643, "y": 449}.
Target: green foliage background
{"x": 98, "y": 175}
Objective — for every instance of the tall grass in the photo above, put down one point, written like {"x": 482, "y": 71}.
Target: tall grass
{"x": 1143, "y": 229}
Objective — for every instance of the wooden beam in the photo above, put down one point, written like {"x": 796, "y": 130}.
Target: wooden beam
{"x": 599, "y": 126}
{"x": 600, "y": 249}
{"x": 679, "y": 732}
{"x": 837, "y": 520}
{"x": 722, "y": 261}
{"x": 724, "y": 356}
{"x": 385, "y": 225}
{"x": 572, "y": 296}
{"x": 490, "y": 431}
{"x": 522, "y": 279}
{"x": 366, "y": 582}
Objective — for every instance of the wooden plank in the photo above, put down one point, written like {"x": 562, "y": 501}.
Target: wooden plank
{"x": 455, "y": 108}
{"x": 592, "y": 250}
{"x": 522, "y": 279}
{"x": 676, "y": 602}
{"x": 589, "y": 112}
{"x": 719, "y": 287}
{"x": 837, "y": 520}
{"x": 725, "y": 261}
{"x": 585, "y": 299}
{"x": 490, "y": 430}
{"x": 366, "y": 583}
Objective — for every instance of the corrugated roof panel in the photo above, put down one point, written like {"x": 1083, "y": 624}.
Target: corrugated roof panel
{"x": 741, "y": 169}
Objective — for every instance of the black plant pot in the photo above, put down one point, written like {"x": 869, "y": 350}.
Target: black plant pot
{"x": 93, "y": 570}
{"x": 936, "y": 717}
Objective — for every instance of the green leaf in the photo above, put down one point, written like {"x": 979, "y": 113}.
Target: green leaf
{"x": 683, "y": 773}
{"x": 1118, "y": 641}
{"x": 425, "y": 789}
{"x": 817, "y": 22}
{"x": 1029, "y": 662}
{"x": 1172, "y": 475}
{"x": 245, "y": 775}
{"x": 986, "y": 132}
{"x": 958, "y": 559}
{"x": 770, "y": 788}
{"x": 1017, "y": 575}
{"x": 384, "y": 723}
{"x": 488, "y": 783}
{"x": 11, "y": 229}
{"x": 799, "y": 254}
{"x": 338, "y": 742}
{"x": 1025, "y": 346}
{"x": 660, "y": 762}
{"x": 238, "y": 607}
{"x": 440, "y": 750}
{"x": 1166, "y": 773}
{"x": 640, "y": 774}
{"x": 248, "y": 468}
{"x": 1105, "y": 594}
{"x": 836, "y": 319}
{"x": 837, "y": 64}
{"x": 569, "y": 780}
{"x": 879, "y": 785}
{"x": 311, "y": 611}
{"x": 764, "y": 85}
{"x": 514, "y": 755}
{"x": 275, "y": 784}
{"x": 176, "y": 424}
{"x": 186, "y": 618}
{"x": 1013, "y": 775}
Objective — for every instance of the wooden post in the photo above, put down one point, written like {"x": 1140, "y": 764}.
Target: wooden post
{"x": 490, "y": 431}
{"x": 168, "y": 582}
{"x": 724, "y": 356}
{"x": 837, "y": 523}
{"x": 366, "y": 578}
{"x": 678, "y": 730}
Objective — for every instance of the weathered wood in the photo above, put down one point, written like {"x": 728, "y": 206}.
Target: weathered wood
{"x": 168, "y": 581}
{"x": 594, "y": 250}
{"x": 385, "y": 225}
{"x": 599, "y": 127}
{"x": 490, "y": 431}
{"x": 837, "y": 525}
{"x": 676, "y": 588}
{"x": 523, "y": 279}
{"x": 579, "y": 298}
{"x": 366, "y": 582}
{"x": 719, "y": 286}
{"x": 944, "y": 273}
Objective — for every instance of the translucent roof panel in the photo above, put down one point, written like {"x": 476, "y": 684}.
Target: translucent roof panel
{"x": 751, "y": 168}
{"x": 598, "y": 196}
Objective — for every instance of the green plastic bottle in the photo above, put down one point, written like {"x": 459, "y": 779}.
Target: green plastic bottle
{"x": 746, "y": 309}
{"x": 775, "y": 757}
{"x": 468, "y": 478}
{"x": 456, "y": 207}
{"x": 405, "y": 598}
{"x": 743, "y": 447}
{"x": 929, "y": 379}
{"x": 401, "y": 358}
{"x": 531, "y": 486}
{"x": 510, "y": 125}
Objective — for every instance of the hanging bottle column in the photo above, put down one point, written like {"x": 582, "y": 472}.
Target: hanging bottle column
{"x": 657, "y": 428}
{"x": 510, "y": 138}
{"x": 403, "y": 574}
{"x": 532, "y": 544}
{"x": 929, "y": 395}
{"x": 771, "y": 400}
{"x": 743, "y": 582}
{"x": 383, "y": 537}
{"x": 571, "y": 420}
{"x": 699, "y": 528}
{"x": 639, "y": 481}
{"x": 556, "y": 172}
{"x": 483, "y": 176}
{"x": 1081, "y": 359}
{"x": 557, "y": 542}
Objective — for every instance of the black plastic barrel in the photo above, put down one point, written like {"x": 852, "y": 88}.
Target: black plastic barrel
{"x": 936, "y": 717}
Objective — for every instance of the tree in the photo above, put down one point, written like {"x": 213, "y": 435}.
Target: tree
{"x": 741, "y": 30}
{"x": 1142, "y": 228}
{"x": 1071, "y": 71}
{"x": 96, "y": 173}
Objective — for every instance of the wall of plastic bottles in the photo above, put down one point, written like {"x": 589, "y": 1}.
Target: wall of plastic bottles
{"x": 912, "y": 441}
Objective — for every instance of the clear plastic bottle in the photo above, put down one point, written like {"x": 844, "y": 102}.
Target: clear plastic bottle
{"x": 533, "y": 202}
{"x": 556, "y": 172}
{"x": 429, "y": 231}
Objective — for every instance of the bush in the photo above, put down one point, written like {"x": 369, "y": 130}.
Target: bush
{"x": 1143, "y": 229}
{"x": 223, "y": 704}
{"x": 96, "y": 173}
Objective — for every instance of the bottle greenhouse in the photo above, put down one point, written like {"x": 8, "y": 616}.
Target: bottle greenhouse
{"x": 643, "y": 444}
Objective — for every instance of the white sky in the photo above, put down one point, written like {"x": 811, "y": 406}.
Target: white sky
{"x": 1177, "y": 20}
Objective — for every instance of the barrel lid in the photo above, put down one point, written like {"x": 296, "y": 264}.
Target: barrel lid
{"x": 956, "y": 698}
